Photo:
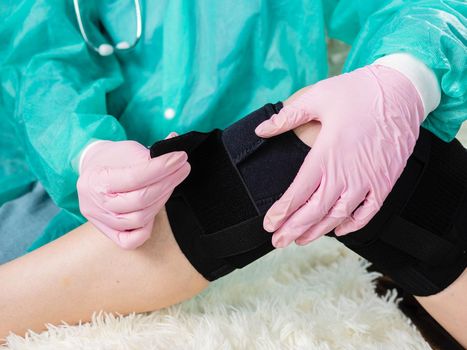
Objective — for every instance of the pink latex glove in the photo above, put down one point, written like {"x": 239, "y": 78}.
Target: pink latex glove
{"x": 370, "y": 121}
{"x": 121, "y": 188}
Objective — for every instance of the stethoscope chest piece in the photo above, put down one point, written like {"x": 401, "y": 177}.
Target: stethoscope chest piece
{"x": 106, "y": 49}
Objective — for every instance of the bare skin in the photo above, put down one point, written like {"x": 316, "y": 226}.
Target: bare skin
{"x": 83, "y": 271}
{"x": 449, "y": 308}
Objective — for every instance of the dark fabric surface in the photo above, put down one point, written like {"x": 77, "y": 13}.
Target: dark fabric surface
{"x": 418, "y": 237}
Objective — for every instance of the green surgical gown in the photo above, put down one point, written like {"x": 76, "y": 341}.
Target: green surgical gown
{"x": 199, "y": 65}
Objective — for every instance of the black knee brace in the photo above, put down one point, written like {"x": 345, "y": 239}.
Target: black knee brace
{"x": 418, "y": 237}
{"x": 215, "y": 214}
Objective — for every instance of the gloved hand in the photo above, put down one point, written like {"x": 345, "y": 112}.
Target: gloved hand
{"x": 121, "y": 188}
{"x": 370, "y": 121}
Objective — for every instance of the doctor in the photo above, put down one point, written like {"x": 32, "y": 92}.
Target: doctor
{"x": 84, "y": 89}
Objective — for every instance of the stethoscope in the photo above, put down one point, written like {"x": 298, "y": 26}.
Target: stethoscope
{"x": 106, "y": 49}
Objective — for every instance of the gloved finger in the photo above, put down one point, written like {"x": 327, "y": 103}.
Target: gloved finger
{"x": 137, "y": 176}
{"x": 302, "y": 188}
{"x": 121, "y": 222}
{"x": 136, "y": 238}
{"x": 126, "y": 202}
{"x": 348, "y": 202}
{"x": 128, "y": 239}
{"x": 342, "y": 209}
{"x": 288, "y": 118}
{"x": 360, "y": 217}
{"x": 320, "y": 229}
{"x": 311, "y": 213}
{"x": 133, "y": 220}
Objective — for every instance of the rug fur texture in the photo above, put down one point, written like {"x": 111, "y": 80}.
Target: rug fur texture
{"x": 314, "y": 297}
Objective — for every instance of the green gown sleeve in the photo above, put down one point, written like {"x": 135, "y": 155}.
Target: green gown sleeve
{"x": 54, "y": 92}
{"x": 433, "y": 31}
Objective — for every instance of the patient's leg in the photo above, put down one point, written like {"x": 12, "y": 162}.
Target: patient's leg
{"x": 449, "y": 308}
{"x": 84, "y": 271}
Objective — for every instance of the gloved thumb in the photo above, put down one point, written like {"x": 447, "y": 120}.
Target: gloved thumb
{"x": 287, "y": 119}
{"x": 299, "y": 110}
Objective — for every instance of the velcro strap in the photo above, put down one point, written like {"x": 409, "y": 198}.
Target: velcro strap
{"x": 214, "y": 188}
{"x": 419, "y": 242}
{"x": 236, "y": 239}
{"x": 216, "y": 195}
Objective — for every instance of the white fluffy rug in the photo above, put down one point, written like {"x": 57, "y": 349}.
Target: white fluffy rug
{"x": 314, "y": 297}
